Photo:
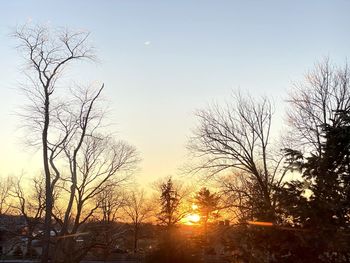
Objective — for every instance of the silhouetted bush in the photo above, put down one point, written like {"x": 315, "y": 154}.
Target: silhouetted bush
{"x": 174, "y": 249}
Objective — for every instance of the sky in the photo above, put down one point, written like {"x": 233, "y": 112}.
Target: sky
{"x": 162, "y": 60}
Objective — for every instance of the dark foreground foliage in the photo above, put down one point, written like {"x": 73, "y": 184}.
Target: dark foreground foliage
{"x": 174, "y": 249}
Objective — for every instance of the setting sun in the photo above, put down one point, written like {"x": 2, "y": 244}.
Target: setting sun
{"x": 193, "y": 218}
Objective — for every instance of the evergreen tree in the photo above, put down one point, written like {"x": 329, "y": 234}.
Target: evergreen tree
{"x": 323, "y": 210}
{"x": 207, "y": 203}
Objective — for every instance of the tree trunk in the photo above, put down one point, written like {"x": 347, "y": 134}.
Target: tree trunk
{"x": 136, "y": 230}
{"x": 48, "y": 192}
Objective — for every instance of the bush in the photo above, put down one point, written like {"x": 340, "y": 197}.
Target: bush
{"x": 175, "y": 250}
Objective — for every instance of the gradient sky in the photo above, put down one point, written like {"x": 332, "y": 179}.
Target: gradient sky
{"x": 162, "y": 60}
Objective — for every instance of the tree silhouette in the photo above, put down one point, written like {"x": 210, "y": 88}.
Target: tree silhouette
{"x": 235, "y": 140}
{"x": 46, "y": 56}
{"x": 137, "y": 210}
{"x": 77, "y": 157}
{"x": 171, "y": 198}
{"x": 207, "y": 203}
{"x": 324, "y": 213}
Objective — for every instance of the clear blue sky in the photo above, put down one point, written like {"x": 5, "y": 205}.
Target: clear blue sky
{"x": 197, "y": 52}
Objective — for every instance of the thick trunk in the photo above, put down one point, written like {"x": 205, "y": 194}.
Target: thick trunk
{"x": 48, "y": 192}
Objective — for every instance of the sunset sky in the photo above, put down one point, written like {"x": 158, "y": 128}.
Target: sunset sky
{"x": 162, "y": 60}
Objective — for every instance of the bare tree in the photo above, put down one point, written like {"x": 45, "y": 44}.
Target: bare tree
{"x": 47, "y": 55}
{"x": 138, "y": 209}
{"x": 110, "y": 200}
{"x": 31, "y": 205}
{"x": 6, "y": 185}
{"x": 77, "y": 156}
{"x": 101, "y": 163}
{"x": 236, "y": 140}
{"x": 238, "y": 195}
{"x": 315, "y": 102}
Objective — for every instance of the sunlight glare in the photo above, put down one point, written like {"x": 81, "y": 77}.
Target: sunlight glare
{"x": 257, "y": 223}
{"x": 193, "y": 218}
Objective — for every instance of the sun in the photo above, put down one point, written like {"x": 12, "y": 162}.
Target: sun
{"x": 193, "y": 218}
